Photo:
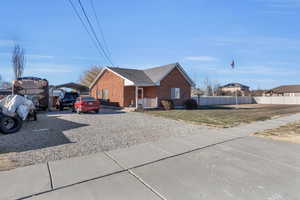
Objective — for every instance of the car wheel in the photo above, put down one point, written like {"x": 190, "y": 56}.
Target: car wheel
{"x": 61, "y": 108}
{"x": 96, "y": 111}
{"x": 10, "y": 125}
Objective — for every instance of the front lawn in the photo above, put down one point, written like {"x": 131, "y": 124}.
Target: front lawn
{"x": 228, "y": 116}
{"x": 289, "y": 132}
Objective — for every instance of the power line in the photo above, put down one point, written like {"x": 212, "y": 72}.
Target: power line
{"x": 94, "y": 33}
{"x": 85, "y": 27}
{"x": 100, "y": 28}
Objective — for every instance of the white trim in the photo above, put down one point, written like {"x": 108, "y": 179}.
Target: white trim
{"x": 185, "y": 75}
{"x": 126, "y": 80}
{"x": 96, "y": 79}
{"x": 126, "y": 83}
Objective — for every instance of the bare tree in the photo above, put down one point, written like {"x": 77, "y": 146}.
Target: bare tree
{"x": 89, "y": 75}
{"x": 18, "y": 60}
{"x": 210, "y": 88}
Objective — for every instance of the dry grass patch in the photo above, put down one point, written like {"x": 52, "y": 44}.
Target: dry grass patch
{"x": 5, "y": 163}
{"x": 228, "y": 116}
{"x": 289, "y": 132}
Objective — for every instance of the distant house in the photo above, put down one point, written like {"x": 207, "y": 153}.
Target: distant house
{"x": 258, "y": 93}
{"x": 232, "y": 88}
{"x": 285, "y": 90}
{"x": 133, "y": 87}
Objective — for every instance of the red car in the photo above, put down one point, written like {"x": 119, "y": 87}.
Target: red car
{"x": 86, "y": 104}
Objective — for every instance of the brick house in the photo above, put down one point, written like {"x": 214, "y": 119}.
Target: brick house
{"x": 147, "y": 87}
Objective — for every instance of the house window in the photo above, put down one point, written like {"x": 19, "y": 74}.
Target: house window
{"x": 99, "y": 94}
{"x": 105, "y": 94}
{"x": 175, "y": 93}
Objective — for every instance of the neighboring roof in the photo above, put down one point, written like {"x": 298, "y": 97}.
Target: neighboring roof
{"x": 229, "y": 85}
{"x": 145, "y": 77}
{"x": 74, "y": 86}
{"x": 286, "y": 89}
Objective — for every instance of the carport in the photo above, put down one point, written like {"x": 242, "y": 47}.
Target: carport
{"x": 81, "y": 89}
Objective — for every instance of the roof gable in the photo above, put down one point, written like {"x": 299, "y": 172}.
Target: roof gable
{"x": 138, "y": 77}
{"x": 157, "y": 74}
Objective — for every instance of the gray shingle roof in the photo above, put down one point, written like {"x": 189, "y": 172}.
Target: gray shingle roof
{"x": 234, "y": 85}
{"x": 147, "y": 77}
{"x": 137, "y": 76}
{"x": 287, "y": 89}
{"x": 144, "y": 77}
{"x": 157, "y": 73}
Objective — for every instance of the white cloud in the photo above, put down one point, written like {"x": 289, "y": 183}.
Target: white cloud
{"x": 282, "y": 3}
{"x": 201, "y": 58}
{"x": 34, "y": 68}
{"x": 261, "y": 70}
{"x": 29, "y": 56}
{"x": 86, "y": 58}
{"x": 257, "y": 42}
{"x": 6, "y": 42}
{"x": 35, "y": 56}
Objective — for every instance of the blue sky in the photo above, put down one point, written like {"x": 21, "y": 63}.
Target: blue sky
{"x": 262, "y": 36}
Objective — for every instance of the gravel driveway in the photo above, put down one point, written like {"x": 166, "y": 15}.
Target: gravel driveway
{"x": 62, "y": 135}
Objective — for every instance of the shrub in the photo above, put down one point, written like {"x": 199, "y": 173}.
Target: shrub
{"x": 167, "y": 104}
{"x": 191, "y": 104}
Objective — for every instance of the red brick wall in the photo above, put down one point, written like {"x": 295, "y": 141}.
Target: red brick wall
{"x": 129, "y": 97}
{"x": 113, "y": 83}
{"x": 175, "y": 79}
{"x": 150, "y": 92}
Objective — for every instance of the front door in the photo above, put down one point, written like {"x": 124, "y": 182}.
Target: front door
{"x": 140, "y": 95}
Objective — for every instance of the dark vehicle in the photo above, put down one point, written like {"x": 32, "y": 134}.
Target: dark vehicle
{"x": 35, "y": 89}
{"x": 9, "y": 124}
{"x": 86, "y": 104}
{"x": 67, "y": 100}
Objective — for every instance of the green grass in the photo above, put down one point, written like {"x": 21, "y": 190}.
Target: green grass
{"x": 228, "y": 116}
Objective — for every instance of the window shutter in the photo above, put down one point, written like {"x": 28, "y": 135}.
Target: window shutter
{"x": 172, "y": 93}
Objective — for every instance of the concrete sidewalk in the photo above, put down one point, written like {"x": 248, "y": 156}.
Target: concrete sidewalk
{"x": 217, "y": 164}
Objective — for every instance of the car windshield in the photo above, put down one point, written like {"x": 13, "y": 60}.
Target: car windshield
{"x": 69, "y": 96}
{"x": 88, "y": 99}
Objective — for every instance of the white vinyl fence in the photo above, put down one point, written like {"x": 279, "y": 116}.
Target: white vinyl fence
{"x": 222, "y": 100}
{"x": 277, "y": 100}
{"x": 231, "y": 100}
